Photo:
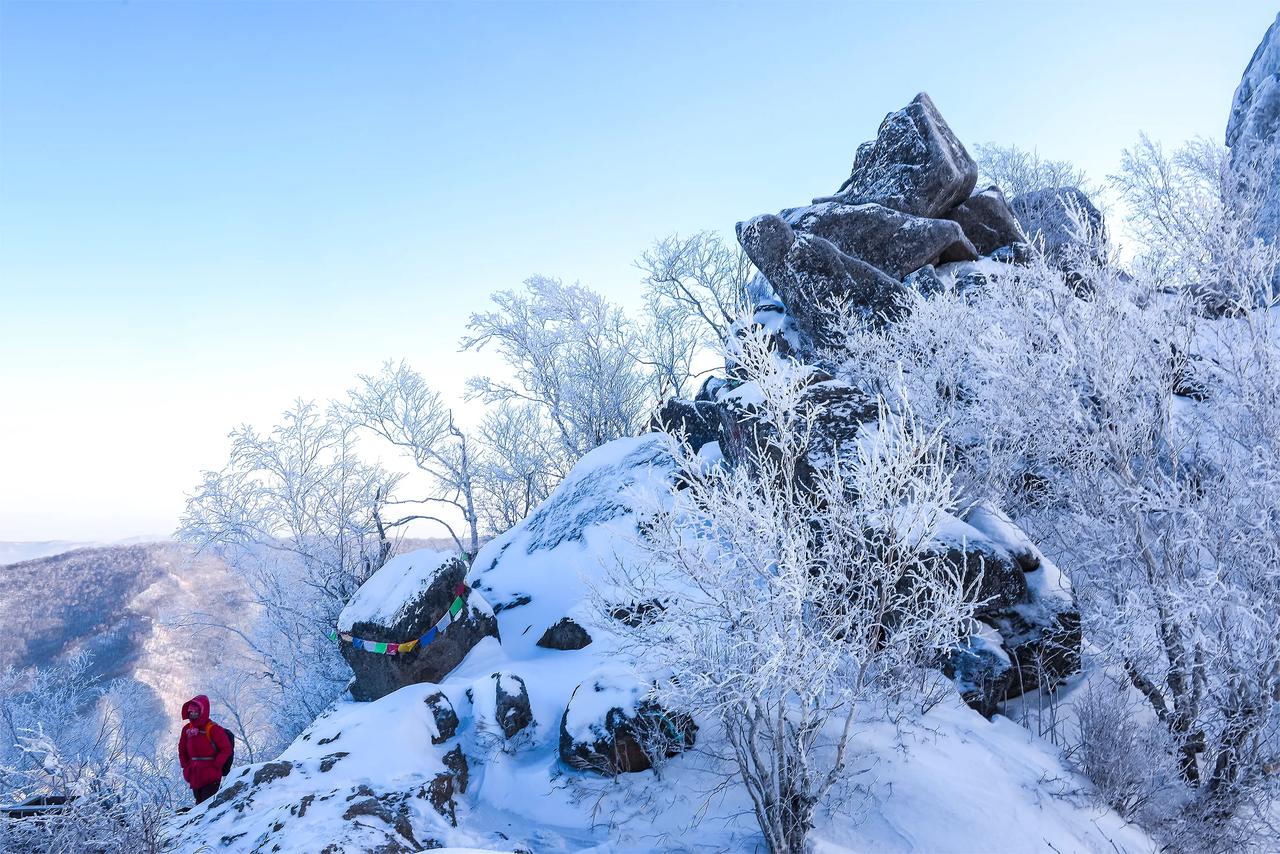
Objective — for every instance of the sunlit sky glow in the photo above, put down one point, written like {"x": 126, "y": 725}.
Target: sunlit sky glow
{"x": 207, "y": 210}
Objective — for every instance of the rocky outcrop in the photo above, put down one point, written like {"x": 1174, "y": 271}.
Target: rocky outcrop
{"x": 1062, "y": 220}
{"x": 810, "y": 275}
{"x": 894, "y": 242}
{"x": 610, "y": 727}
{"x": 512, "y": 712}
{"x": 914, "y": 165}
{"x": 907, "y": 223}
{"x": 443, "y": 717}
{"x": 1253, "y": 130}
{"x": 988, "y": 221}
{"x": 400, "y": 602}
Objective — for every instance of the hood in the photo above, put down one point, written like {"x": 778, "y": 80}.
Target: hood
{"x": 201, "y": 702}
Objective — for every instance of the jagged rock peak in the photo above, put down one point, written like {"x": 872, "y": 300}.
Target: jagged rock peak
{"x": 915, "y": 164}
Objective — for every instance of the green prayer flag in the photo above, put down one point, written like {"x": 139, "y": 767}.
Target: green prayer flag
{"x": 333, "y": 635}
{"x": 456, "y": 606}
{"x": 378, "y": 647}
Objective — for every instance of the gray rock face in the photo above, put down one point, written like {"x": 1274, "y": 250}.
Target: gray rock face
{"x": 988, "y": 221}
{"x": 1253, "y": 130}
{"x": 1255, "y": 110}
{"x": 1002, "y": 583}
{"x": 377, "y": 675}
{"x": 809, "y": 272}
{"x": 1046, "y": 215}
{"x": 695, "y": 421}
{"x": 895, "y": 242}
{"x": 566, "y": 635}
{"x": 840, "y": 410}
{"x": 914, "y": 165}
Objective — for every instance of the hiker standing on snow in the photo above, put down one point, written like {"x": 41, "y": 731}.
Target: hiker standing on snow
{"x": 204, "y": 749}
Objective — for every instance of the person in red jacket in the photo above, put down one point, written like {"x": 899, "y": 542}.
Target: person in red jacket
{"x": 203, "y": 748}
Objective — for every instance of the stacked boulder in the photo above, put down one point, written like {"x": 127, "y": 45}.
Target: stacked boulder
{"x": 908, "y": 216}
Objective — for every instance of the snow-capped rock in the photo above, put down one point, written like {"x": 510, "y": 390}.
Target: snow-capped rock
{"x": 401, "y": 602}
{"x": 915, "y": 164}
{"x": 610, "y": 727}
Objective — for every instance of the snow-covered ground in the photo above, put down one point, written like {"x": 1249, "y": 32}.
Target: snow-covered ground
{"x": 364, "y": 775}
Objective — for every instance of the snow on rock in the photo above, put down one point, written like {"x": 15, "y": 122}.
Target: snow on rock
{"x": 401, "y": 602}
{"x": 391, "y": 591}
{"x": 915, "y": 164}
{"x": 610, "y": 727}
{"x": 420, "y": 768}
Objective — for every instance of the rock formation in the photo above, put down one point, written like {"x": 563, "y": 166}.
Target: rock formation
{"x": 908, "y": 208}
{"x": 1253, "y": 129}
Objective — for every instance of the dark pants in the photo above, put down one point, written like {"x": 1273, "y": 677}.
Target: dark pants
{"x": 204, "y": 793}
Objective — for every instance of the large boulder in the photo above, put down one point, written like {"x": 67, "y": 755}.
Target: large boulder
{"x": 401, "y": 602}
{"x": 914, "y": 165}
{"x": 894, "y": 242}
{"x": 981, "y": 668}
{"x": 1049, "y": 216}
{"x": 692, "y": 420}
{"x": 1253, "y": 130}
{"x": 988, "y": 221}
{"x": 611, "y": 727}
{"x": 998, "y": 580}
{"x": 809, "y": 274}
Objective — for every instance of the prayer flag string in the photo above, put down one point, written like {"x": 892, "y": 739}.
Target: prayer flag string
{"x": 451, "y": 615}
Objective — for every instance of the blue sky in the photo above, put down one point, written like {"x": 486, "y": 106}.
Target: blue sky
{"x": 208, "y": 209}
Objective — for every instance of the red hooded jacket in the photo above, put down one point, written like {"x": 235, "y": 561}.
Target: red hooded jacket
{"x": 203, "y": 747}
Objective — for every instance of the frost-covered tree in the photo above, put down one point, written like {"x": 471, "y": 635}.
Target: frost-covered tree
{"x": 573, "y": 354}
{"x": 784, "y": 602}
{"x": 695, "y": 287}
{"x": 65, "y": 736}
{"x": 398, "y": 406}
{"x": 294, "y": 513}
{"x": 1194, "y": 214}
{"x": 1139, "y": 441}
{"x": 1016, "y": 171}
{"x": 520, "y": 464}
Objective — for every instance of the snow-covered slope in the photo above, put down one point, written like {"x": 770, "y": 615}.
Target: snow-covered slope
{"x": 386, "y": 775}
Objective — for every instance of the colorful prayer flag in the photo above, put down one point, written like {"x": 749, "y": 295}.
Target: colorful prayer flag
{"x": 455, "y": 607}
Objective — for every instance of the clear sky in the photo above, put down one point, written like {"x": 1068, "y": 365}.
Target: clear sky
{"x": 208, "y": 209}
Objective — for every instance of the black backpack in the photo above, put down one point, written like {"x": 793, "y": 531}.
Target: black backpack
{"x": 231, "y": 740}
{"x": 231, "y": 757}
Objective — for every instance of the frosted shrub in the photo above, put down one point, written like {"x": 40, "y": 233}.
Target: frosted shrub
{"x": 787, "y": 601}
